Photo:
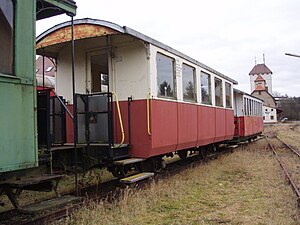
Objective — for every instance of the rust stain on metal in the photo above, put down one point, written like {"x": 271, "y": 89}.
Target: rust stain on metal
{"x": 81, "y": 31}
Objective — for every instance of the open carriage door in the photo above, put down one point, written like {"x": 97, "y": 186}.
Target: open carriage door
{"x": 99, "y": 72}
{"x": 98, "y": 68}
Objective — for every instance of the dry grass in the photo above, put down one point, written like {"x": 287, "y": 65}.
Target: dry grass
{"x": 246, "y": 187}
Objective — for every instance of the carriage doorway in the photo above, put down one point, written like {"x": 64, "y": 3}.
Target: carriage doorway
{"x": 99, "y": 73}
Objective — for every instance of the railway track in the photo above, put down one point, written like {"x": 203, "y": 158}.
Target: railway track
{"x": 288, "y": 158}
{"x": 110, "y": 190}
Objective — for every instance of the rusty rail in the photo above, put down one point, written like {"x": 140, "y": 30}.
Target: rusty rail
{"x": 288, "y": 146}
{"x": 287, "y": 174}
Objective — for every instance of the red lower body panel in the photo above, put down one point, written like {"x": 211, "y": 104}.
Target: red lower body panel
{"x": 248, "y": 125}
{"x": 173, "y": 126}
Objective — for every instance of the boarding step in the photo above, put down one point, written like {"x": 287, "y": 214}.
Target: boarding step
{"x": 136, "y": 178}
{"x": 47, "y": 182}
{"x": 49, "y": 204}
{"x": 128, "y": 161}
{"x": 30, "y": 181}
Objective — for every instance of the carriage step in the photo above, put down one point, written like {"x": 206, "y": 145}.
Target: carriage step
{"x": 49, "y": 204}
{"x": 136, "y": 177}
{"x": 128, "y": 161}
{"x": 32, "y": 181}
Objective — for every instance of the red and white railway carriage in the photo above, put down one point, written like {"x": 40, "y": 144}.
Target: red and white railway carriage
{"x": 177, "y": 102}
{"x": 248, "y": 115}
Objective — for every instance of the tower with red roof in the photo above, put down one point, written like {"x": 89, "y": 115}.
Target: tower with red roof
{"x": 261, "y": 87}
{"x": 259, "y": 73}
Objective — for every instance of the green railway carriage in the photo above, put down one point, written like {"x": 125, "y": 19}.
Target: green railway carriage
{"x": 18, "y": 114}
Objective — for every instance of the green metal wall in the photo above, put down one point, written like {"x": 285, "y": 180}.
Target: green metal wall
{"x": 18, "y": 136}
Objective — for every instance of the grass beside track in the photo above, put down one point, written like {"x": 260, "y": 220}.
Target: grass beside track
{"x": 245, "y": 187}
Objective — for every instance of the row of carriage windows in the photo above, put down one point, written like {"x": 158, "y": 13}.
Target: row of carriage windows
{"x": 252, "y": 107}
{"x": 166, "y": 83}
{"x": 6, "y": 36}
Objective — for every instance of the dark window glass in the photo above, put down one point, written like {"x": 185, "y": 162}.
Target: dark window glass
{"x": 228, "y": 95}
{"x": 6, "y": 36}
{"x": 218, "y": 92}
{"x": 272, "y": 117}
{"x": 245, "y": 106}
{"x": 205, "y": 88}
{"x": 188, "y": 83}
{"x": 165, "y": 76}
{"x": 248, "y": 107}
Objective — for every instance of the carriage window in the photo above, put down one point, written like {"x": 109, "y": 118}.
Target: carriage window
{"x": 188, "y": 83}
{"x": 218, "y": 92}
{"x": 205, "y": 88}
{"x": 245, "y": 107}
{"x": 228, "y": 95}
{"x": 165, "y": 76}
{"x": 6, "y": 37}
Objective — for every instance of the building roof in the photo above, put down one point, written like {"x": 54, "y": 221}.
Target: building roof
{"x": 49, "y": 67}
{"x": 260, "y": 69}
{"x": 259, "y": 78}
{"x": 115, "y": 28}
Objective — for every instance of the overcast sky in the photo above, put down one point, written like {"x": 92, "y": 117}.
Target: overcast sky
{"x": 225, "y": 35}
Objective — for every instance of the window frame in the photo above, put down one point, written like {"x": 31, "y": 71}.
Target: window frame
{"x": 174, "y": 94}
{"x": 209, "y": 102}
{"x": 221, "y": 92}
{"x": 11, "y": 73}
{"x": 194, "y": 99}
{"x": 230, "y": 95}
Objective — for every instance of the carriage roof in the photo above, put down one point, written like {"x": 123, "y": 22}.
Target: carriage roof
{"x": 129, "y": 31}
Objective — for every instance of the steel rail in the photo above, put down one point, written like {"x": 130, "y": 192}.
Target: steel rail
{"x": 287, "y": 174}
{"x": 288, "y": 146}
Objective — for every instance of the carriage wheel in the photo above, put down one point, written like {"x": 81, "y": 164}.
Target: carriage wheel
{"x": 182, "y": 154}
{"x": 117, "y": 171}
{"x": 153, "y": 165}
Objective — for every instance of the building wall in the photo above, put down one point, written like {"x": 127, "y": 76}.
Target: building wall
{"x": 270, "y": 115}
{"x": 266, "y": 97}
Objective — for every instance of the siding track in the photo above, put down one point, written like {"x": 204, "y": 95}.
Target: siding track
{"x": 285, "y": 155}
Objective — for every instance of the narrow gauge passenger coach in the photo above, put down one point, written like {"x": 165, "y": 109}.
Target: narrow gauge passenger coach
{"x": 248, "y": 116}
{"x": 176, "y": 102}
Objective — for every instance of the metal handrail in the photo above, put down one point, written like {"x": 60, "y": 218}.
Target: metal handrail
{"x": 120, "y": 119}
{"x": 148, "y": 114}
{"x": 63, "y": 104}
